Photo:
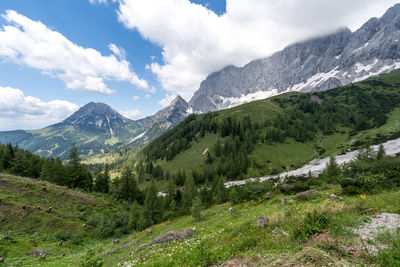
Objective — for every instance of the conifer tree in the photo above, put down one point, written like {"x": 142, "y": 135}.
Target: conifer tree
{"x": 196, "y": 208}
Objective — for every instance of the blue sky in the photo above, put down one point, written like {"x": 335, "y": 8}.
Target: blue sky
{"x": 162, "y": 48}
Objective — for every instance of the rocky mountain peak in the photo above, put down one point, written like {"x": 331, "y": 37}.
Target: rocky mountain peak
{"x": 320, "y": 63}
{"x": 97, "y": 115}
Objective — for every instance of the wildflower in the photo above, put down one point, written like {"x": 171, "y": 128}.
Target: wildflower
{"x": 363, "y": 196}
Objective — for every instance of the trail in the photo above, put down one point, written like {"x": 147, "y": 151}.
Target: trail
{"x": 316, "y": 166}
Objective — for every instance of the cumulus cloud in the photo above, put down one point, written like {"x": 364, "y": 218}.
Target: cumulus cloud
{"x": 31, "y": 43}
{"x": 147, "y": 96}
{"x": 28, "y": 112}
{"x": 136, "y": 97}
{"x": 166, "y": 100}
{"x": 133, "y": 114}
{"x": 197, "y": 42}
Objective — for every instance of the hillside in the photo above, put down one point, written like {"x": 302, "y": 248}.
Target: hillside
{"x": 281, "y": 133}
{"x": 35, "y": 215}
{"x": 97, "y": 128}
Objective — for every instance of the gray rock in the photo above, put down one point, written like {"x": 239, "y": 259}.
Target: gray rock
{"x": 59, "y": 243}
{"x": 231, "y": 209}
{"x": 63, "y": 254}
{"x": 190, "y": 232}
{"x": 313, "y": 192}
{"x": 284, "y": 201}
{"x": 116, "y": 241}
{"x": 318, "y": 64}
{"x": 1, "y": 259}
{"x": 6, "y": 238}
{"x": 262, "y": 221}
{"x": 333, "y": 197}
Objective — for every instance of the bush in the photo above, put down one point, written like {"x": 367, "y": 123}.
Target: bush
{"x": 312, "y": 224}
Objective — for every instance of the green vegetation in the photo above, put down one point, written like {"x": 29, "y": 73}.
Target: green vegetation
{"x": 276, "y": 134}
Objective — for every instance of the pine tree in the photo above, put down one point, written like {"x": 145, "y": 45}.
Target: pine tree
{"x": 78, "y": 175}
{"x": 196, "y": 208}
{"x": 150, "y": 204}
{"x": 137, "y": 220}
{"x": 102, "y": 182}
{"x": 220, "y": 191}
{"x": 381, "y": 153}
{"x": 189, "y": 192}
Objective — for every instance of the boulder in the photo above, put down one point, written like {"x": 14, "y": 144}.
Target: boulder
{"x": 333, "y": 197}
{"x": 116, "y": 241}
{"x": 23, "y": 207}
{"x": 190, "y": 232}
{"x": 231, "y": 209}
{"x": 59, "y": 243}
{"x": 63, "y": 254}
{"x": 284, "y": 201}
{"x": 313, "y": 192}
{"x": 49, "y": 210}
{"x": 44, "y": 189}
{"x": 268, "y": 194}
{"x": 262, "y": 221}
{"x": 1, "y": 259}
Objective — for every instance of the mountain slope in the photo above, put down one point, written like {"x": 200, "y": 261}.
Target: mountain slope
{"x": 281, "y": 133}
{"x": 318, "y": 64}
{"x": 96, "y": 128}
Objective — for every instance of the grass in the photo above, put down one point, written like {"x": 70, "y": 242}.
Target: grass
{"x": 220, "y": 235}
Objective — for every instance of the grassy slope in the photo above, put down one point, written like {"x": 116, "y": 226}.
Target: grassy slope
{"x": 32, "y": 228}
{"x": 290, "y": 154}
{"x": 222, "y": 235}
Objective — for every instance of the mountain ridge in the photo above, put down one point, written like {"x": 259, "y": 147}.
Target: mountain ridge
{"x": 321, "y": 63}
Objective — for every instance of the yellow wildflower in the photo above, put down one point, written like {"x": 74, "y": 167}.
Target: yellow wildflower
{"x": 363, "y": 196}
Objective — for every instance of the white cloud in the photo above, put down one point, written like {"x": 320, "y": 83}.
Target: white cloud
{"x": 166, "y": 100}
{"x": 147, "y": 96}
{"x": 28, "y": 112}
{"x": 136, "y": 97}
{"x": 133, "y": 114}
{"x": 197, "y": 42}
{"x": 31, "y": 43}
{"x": 98, "y": 2}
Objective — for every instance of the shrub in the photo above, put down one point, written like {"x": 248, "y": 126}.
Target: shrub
{"x": 312, "y": 224}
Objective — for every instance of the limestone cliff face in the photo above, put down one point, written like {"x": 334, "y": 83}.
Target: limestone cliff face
{"x": 322, "y": 63}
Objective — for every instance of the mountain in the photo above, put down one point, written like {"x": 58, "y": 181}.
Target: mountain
{"x": 280, "y": 133}
{"x": 337, "y": 59}
{"x": 96, "y": 128}
{"x": 163, "y": 120}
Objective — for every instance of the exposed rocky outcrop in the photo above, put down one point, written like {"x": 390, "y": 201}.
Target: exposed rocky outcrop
{"x": 319, "y": 64}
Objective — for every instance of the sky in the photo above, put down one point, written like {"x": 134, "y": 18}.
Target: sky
{"x": 137, "y": 55}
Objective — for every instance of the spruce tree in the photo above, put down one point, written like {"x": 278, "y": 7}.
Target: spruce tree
{"x": 381, "y": 153}
{"x": 189, "y": 192}
{"x": 150, "y": 204}
{"x": 196, "y": 208}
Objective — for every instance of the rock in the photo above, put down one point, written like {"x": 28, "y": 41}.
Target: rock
{"x": 330, "y": 56}
{"x": 1, "y": 259}
{"x": 19, "y": 262}
{"x": 262, "y": 221}
{"x": 63, "y": 254}
{"x": 190, "y": 232}
{"x": 304, "y": 196}
{"x": 36, "y": 253}
{"x": 268, "y": 194}
{"x": 44, "y": 189}
{"x": 49, "y": 210}
{"x": 59, "y": 243}
{"x": 150, "y": 231}
{"x": 313, "y": 192}
{"x": 284, "y": 201}
{"x": 6, "y": 238}
{"x": 23, "y": 207}
{"x": 84, "y": 225}
{"x": 333, "y": 197}
{"x": 1, "y": 200}
{"x": 38, "y": 208}
{"x": 231, "y": 209}
{"x": 116, "y": 241}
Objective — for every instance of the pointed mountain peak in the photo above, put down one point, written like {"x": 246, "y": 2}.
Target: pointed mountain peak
{"x": 178, "y": 100}
{"x": 97, "y": 114}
